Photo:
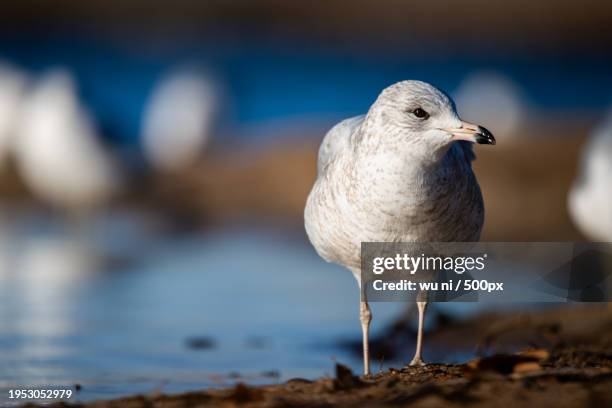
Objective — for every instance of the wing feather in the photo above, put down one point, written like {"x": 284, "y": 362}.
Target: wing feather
{"x": 336, "y": 140}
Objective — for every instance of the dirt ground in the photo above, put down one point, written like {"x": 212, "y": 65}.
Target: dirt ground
{"x": 568, "y": 365}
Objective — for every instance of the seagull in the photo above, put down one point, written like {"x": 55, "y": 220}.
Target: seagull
{"x": 57, "y": 149}
{"x": 494, "y": 97}
{"x": 180, "y": 118}
{"x": 400, "y": 173}
{"x": 590, "y": 196}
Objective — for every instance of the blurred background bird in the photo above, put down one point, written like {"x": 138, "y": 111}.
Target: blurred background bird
{"x": 57, "y": 149}
{"x": 590, "y": 198}
{"x": 180, "y": 118}
{"x": 493, "y": 99}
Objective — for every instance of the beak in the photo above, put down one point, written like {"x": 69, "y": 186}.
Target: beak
{"x": 471, "y": 133}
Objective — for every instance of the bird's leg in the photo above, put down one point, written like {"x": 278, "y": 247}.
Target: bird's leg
{"x": 417, "y": 360}
{"x": 365, "y": 315}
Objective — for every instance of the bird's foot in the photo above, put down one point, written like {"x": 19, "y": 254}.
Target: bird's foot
{"x": 417, "y": 362}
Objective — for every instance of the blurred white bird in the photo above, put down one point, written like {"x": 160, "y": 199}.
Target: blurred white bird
{"x": 12, "y": 92}
{"x": 590, "y": 197}
{"x": 493, "y": 99}
{"x": 58, "y": 153}
{"x": 179, "y": 119}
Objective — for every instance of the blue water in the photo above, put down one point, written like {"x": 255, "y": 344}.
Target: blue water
{"x": 114, "y": 305}
{"x": 270, "y": 308}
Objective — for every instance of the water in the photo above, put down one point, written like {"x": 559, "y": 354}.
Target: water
{"x": 267, "y": 308}
{"x": 117, "y": 305}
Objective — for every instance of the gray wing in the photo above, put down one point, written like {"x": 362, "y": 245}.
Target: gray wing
{"x": 336, "y": 140}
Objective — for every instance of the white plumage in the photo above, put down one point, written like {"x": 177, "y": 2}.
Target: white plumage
{"x": 58, "y": 152}
{"x": 590, "y": 197}
{"x": 337, "y": 140}
{"x": 179, "y": 119}
{"x": 495, "y": 98}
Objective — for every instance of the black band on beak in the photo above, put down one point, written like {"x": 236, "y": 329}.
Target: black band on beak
{"x": 484, "y": 136}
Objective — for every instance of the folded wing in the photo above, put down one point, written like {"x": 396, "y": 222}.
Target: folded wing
{"x": 336, "y": 140}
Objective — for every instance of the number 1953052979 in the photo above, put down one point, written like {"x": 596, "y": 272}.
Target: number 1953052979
{"x": 39, "y": 394}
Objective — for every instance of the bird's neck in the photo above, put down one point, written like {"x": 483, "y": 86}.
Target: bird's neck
{"x": 386, "y": 173}
{"x": 403, "y": 161}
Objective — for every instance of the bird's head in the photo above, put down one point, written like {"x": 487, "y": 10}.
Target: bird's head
{"x": 422, "y": 118}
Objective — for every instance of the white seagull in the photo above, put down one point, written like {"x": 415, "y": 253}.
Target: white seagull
{"x": 590, "y": 196}
{"x": 179, "y": 119}
{"x": 400, "y": 173}
{"x": 494, "y": 98}
{"x": 57, "y": 150}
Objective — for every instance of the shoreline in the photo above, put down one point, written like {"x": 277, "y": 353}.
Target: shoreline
{"x": 574, "y": 369}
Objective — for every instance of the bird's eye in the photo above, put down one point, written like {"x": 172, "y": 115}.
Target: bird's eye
{"x": 420, "y": 113}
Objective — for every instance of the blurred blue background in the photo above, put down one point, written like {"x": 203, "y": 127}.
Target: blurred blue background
{"x": 269, "y": 80}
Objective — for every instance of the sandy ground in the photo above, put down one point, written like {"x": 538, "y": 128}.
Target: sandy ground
{"x": 570, "y": 367}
